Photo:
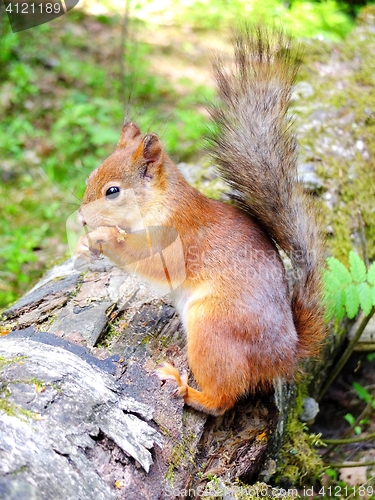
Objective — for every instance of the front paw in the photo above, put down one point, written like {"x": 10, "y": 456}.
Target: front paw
{"x": 95, "y": 244}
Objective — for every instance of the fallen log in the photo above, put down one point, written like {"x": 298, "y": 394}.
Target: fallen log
{"x": 82, "y": 415}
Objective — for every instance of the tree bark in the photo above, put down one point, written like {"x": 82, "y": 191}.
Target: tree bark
{"x": 83, "y": 417}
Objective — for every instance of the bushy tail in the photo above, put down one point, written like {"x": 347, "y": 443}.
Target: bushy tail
{"x": 255, "y": 150}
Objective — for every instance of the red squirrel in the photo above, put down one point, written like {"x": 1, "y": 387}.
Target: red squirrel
{"x": 244, "y": 330}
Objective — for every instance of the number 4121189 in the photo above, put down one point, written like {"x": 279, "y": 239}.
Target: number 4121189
{"x": 33, "y": 8}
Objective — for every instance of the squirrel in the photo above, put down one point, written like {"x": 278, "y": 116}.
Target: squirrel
{"x": 245, "y": 328}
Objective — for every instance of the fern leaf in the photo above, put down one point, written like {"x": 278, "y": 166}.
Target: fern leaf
{"x": 339, "y": 304}
{"x": 331, "y": 282}
{"x": 329, "y": 312}
{"x": 329, "y": 308}
{"x": 334, "y": 302}
{"x": 362, "y": 392}
{"x": 339, "y": 270}
{"x": 365, "y": 297}
{"x": 371, "y": 274}
{"x": 357, "y": 267}
{"x": 351, "y": 300}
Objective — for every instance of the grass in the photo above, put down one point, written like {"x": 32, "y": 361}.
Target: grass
{"x": 60, "y": 117}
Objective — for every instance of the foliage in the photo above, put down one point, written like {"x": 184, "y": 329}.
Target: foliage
{"x": 349, "y": 290}
{"x": 302, "y": 18}
{"x": 351, "y": 420}
{"x": 363, "y": 394}
{"x": 60, "y": 116}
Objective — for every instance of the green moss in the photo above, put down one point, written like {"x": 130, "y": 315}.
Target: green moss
{"x": 23, "y": 468}
{"x": 213, "y": 189}
{"x": 11, "y": 408}
{"x": 298, "y": 460}
{"x": 182, "y": 452}
{"x": 35, "y": 381}
{"x": 7, "y": 406}
{"x": 57, "y": 388}
{"x": 112, "y": 333}
{"x": 349, "y": 171}
{"x": 9, "y": 361}
{"x": 164, "y": 341}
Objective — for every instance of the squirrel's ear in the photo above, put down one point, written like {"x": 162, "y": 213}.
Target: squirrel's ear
{"x": 152, "y": 148}
{"x": 130, "y": 132}
{"x": 149, "y": 154}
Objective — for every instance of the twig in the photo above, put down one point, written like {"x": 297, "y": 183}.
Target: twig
{"x": 358, "y": 328}
{"x": 1, "y": 23}
{"x": 360, "y": 417}
{"x": 350, "y": 464}
{"x": 124, "y": 32}
{"x": 364, "y": 484}
{"x": 357, "y": 439}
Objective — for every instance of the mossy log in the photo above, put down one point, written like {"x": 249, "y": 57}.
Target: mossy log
{"x": 81, "y": 413}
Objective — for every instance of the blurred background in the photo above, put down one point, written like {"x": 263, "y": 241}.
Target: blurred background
{"x": 65, "y": 87}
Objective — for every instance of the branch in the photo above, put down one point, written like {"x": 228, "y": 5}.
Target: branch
{"x": 358, "y": 439}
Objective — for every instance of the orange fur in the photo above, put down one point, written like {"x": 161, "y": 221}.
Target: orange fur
{"x": 220, "y": 263}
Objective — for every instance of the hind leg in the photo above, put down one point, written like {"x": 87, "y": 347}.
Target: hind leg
{"x": 218, "y": 355}
{"x": 200, "y": 400}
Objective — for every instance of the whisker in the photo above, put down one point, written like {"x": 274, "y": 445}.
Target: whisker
{"x": 59, "y": 185}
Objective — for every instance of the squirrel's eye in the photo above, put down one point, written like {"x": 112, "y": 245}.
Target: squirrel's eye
{"x": 112, "y": 192}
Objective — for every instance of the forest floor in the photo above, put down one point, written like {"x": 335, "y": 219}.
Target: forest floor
{"x": 340, "y": 406}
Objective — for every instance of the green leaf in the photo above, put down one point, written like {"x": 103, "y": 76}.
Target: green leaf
{"x": 371, "y": 274}
{"x": 362, "y": 392}
{"x": 339, "y": 270}
{"x": 357, "y": 267}
{"x": 332, "y": 473}
{"x": 334, "y": 296}
{"x": 330, "y": 309}
{"x": 349, "y": 418}
{"x": 331, "y": 282}
{"x": 329, "y": 312}
{"x": 357, "y": 429}
{"x": 334, "y": 305}
{"x": 373, "y": 295}
{"x": 365, "y": 297}
{"x": 339, "y": 298}
{"x": 351, "y": 300}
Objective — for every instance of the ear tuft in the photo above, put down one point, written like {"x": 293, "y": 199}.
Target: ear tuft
{"x": 152, "y": 148}
{"x": 130, "y": 133}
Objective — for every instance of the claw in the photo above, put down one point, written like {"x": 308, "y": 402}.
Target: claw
{"x": 166, "y": 371}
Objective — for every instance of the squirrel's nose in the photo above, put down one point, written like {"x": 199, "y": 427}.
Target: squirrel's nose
{"x": 80, "y": 218}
